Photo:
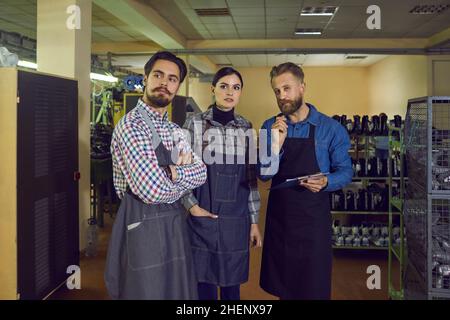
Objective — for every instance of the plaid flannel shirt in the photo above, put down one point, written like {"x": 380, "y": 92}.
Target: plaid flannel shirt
{"x": 135, "y": 163}
{"x": 206, "y": 120}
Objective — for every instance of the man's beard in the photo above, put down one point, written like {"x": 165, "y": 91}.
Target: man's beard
{"x": 156, "y": 100}
{"x": 288, "y": 107}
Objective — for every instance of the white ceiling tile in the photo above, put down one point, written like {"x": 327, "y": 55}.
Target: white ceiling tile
{"x": 257, "y": 60}
{"x": 247, "y": 12}
{"x": 282, "y": 11}
{"x": 245, "y": 3}
{"x": 284, "y": 3}
{"x": 315, "y": 3}
{"x": 220, "y": 20}
{"x": 207, "y": 4}
{"x": 238, "y": 60}
{"x": 250, "y": 26}
{"x": 281, "y": 19}
{"x": 296, "y": 58}
{"x": 219, "y": 59}
{"x": 251, "y": 19}
{"x": 276, "y": 59}
{"x": 220, "y": 27}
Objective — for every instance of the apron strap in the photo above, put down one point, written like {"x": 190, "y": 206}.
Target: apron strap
{"x": 156, "y": 139}
{"x": 312, "y": 131}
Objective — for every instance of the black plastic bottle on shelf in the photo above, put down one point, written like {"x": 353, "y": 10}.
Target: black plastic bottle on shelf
{"x": 349, "y": 126}
{"x": 344, "y": 121}
{"x": 372, "y": 167}
{"x": 383, "y": 124}
{"x": 349, "y": 201}
{"x": 363, "y": 167}
{"x": 375, "y": 125}
{"x": 365, "y": 125}
{"x": 339, "y": 200}
{"x": 362, "y": 200}
{"x": 356, "y": 124}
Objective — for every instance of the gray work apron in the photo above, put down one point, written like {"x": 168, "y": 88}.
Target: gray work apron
{"x": 221, "y": 246}
{"x": 149, "y": 254}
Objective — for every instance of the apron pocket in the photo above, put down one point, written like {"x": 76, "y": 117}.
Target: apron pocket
{"x": 203, "y": 232}
{"x": 144, "y": 245}
{"x": 226, "y": 187}
{"x": 234, "y": 234}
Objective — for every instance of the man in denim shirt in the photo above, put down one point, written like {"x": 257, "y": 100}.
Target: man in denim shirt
{"x": 297, "y": 250}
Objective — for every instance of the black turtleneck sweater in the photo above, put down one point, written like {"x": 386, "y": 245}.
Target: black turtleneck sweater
{"x": 223, "y": 117}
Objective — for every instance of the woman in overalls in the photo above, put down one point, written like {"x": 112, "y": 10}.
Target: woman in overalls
{"x": 224, "y": 211}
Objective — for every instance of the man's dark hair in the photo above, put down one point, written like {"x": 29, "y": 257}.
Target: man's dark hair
{"x": 287, "y": 67}
{"x": 166, "y": 55}
{"x": 226, "y": 71}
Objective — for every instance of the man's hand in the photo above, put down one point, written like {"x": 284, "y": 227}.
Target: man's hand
{"x": 196, "y": 211}
{"x": 280, "y": 134}
{"x": 174, "y": 172}
{"x": 255, "y": 236}
{"x": 314, "y": 184}
{"x": 184, "y": 158}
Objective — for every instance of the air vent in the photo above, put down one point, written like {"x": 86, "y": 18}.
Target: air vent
{"x": 308, "y": 31}
{"x": 355, "y": 57}
{"x": 212, "y": 12}
{"x": 429, "y": 9}
{"x": 318, "y": 11}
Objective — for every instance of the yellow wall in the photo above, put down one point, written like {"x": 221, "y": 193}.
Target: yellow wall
{"x": 201, "y": 92}
{"x": 394, "y": 80}
{"x": 439, "y": 75}
{"x": 333, "y": 90}
{"x": 384, "y": 86}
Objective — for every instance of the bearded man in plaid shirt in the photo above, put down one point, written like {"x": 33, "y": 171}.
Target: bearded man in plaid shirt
{"x": 149, "y": 255}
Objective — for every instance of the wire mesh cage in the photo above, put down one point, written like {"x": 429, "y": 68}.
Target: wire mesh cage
{"x": 427, "y": 220}
{"x": 440, "y": 244}
{"x": 427, "y": 142}
{"x": 427, "y": 198}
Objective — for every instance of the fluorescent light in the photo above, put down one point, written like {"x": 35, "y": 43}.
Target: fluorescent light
{"x": 327, "y": 14}
{"x": 102, "y": 77}
{"x": 308, "y": 33}
{"x": 27, "y": 64}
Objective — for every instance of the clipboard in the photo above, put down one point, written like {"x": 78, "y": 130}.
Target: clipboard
{"x": 294, "y": 181}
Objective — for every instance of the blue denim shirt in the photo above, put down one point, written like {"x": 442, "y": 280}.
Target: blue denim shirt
{"x": 332, "y": 145}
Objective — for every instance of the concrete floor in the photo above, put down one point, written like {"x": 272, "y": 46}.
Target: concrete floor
{"x": 348, "y": 282}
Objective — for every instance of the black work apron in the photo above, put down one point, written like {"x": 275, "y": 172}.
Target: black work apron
{"x": 149, "y": 254}
{"x": 297, "y": 251}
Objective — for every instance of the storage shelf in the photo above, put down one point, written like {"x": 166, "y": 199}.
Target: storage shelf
{"x": 360, "y": 248}
{"x": 364, "y": 212}
{"x": 377, "y": 178}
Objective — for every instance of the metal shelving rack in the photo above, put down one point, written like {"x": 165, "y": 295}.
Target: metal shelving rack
{"x": 364, "y": 180}
{"x": 396, "y": 148}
